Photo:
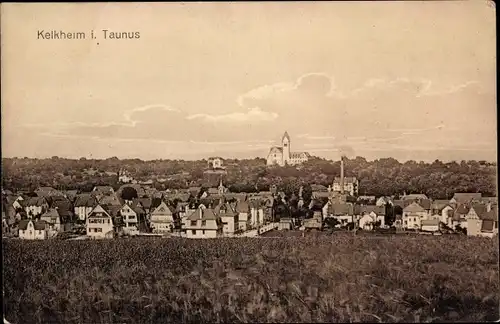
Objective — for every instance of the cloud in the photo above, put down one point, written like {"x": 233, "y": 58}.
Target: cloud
{"x": 380, "y": 115}
{"x": 253, "y": 115}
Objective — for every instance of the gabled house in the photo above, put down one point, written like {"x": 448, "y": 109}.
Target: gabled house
{"x": 100, "y": 223}
{"x": 36, "y": 206}
{"x": 243, "y": 210}
{"x": 229, "y": 218}
{"x": 343, "y": 212}
{"x": 162, "y": 219}
{"x": 203, "y": 223}
{"x": 413, "y": 214}
{"x": 481, "y": 221}
{"x": 32, "y": 230}
{"x": 376, "y": 214}
{"x": 131, "y": 215}
{"x": 84, "y": 204}
{"x": 459, "y": 216}
{"x": 146, "y": 203}
{"x": 53, "y": 220}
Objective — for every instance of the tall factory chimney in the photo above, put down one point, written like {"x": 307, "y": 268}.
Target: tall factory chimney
{"x": 342, "y": 174}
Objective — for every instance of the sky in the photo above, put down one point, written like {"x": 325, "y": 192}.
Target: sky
{"x": 408, "y": 80}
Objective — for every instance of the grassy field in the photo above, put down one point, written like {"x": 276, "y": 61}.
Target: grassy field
{"x": 337, "y": 278}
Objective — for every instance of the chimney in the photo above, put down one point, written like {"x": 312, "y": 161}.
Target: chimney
{"x": 342, "y": 175}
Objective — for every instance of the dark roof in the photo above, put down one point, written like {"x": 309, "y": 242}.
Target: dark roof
{"x": 492, "y": 215}
{"x": 462, "y": 209}
{"x": 463, "y": 197}
{"x": 341, "y": 209}
{"x": 242, "y": 207}
{"x": 85, "y": 200}
{"x": 360, "y": 210}
{"x": 487, "y": 225}
{"x": 38, "y": 225}
{"x": 36, "y": 201}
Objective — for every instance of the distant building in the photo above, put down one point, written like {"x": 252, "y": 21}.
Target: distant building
{"x": 351, "y": 185}
{"x": 281, "y": 155}
{"x": 215, "y": 163}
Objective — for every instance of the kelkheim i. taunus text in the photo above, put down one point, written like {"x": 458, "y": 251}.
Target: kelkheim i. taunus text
{"x": 104, "y": 33}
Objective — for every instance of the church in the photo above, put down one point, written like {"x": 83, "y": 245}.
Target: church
{"x": 281, "y": 155}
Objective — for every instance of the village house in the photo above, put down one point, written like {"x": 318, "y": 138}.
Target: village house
{"x": 459, "y": 217}
{"x": 229, "y": 218}
{"x": 53, "y": 220}
{"x": 84, "y": 204}
{"x": 243, "y": 210}
{"x": 203, "y": 223}
{"x": 413, "y": 214}
{"x": 36, "y": 206}
{"x": 369, "y": 216}
{"x": 32, "y": 230}
{"x": 482, "y": 221}
{"x": 342, "y": 212}
{"x": 131, "y": 215}
{"x": 100, "y": 224}
{"x": 162, "y": 219}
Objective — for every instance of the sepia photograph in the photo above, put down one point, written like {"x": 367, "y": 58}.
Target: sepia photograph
{"x": 249, "y": 162}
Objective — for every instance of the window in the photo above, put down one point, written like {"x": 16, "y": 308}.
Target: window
{"x": 193, "y": 232}
{"x": 203, "y": 232}
{"x": 204, "y": 223}
{"x": 31, "y": 232}
{"x": 193, "y": 223}
{"x": 98, "y": 230}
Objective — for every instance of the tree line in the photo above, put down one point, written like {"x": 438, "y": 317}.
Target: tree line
{"x": 381, "y": 177}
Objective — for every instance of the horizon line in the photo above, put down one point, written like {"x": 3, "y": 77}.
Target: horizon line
{"x": 240, "y": 159}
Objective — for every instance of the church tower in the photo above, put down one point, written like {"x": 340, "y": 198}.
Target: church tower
{"x": 285, "y": 142}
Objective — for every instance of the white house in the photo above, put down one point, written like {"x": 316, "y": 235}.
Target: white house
{"x": 229, "y": 218}
{"x": 243, "y": 210}
{"x": 53, "y": 219}
{"x": 203, "y": 223}
{"x": 83, "y": 205}
{"x": 162, "y": 219}
{"x": 413, "y": 214}
{"x": 32, "y": 230}
{"x": 130, "y": 216}
{"x": 36, "y": 206}
{"x": 100, "y": 223}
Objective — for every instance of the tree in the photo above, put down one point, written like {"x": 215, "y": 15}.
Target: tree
{"x": 129, "y": 193}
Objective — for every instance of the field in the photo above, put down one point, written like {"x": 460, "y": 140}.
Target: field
{"x": 337, "y": 278}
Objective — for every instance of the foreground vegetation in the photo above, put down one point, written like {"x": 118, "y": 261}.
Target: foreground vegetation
{"x": 323, "y": 278}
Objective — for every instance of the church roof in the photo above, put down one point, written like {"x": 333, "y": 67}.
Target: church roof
{"x": 276, "y": 149}
{"x": 286, "y": 136}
